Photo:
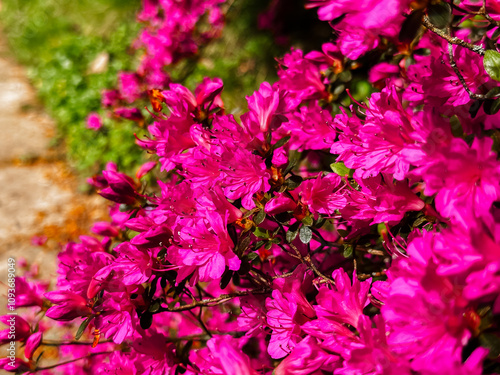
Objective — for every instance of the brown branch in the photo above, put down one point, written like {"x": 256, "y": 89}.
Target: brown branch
{"x": 217, "y": 301}
{"x": 63, "y": 343}
{"x": 370, "y": 251}
{"x": 308, "y": 262}
{"x": 68, "y": 362}
{"x": 365, "y": 276}
{"x": 482, "y": 12}
{"x": 460, "y": 76}
{"x": 452, "y": 39}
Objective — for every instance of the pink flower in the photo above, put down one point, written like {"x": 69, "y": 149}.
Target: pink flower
{"x": 32, "y": 344}
{"x": 424, "y": 310}
{"x": 154, "y": 355}
{"x": 130, "y": 89}
{"x": 253, "y": 315}
{"x": 369, "y": 353}
{"x": 302, "y": 77}
{"x": 20, "y": 366}
{"x": 287, "y": 311}
{"x": 133, "y": 114}
{"x": 268, "y": 104}
{"x": 121, "y": 188}
{"x": 29, "y": 294}
{"x": 323, "y": 194}
{"x": 205, "y": 248}
{"x": 104, "y": 228}
{"x": 117, "y": 317}
{"x": 245, "y": 175}
{"x": 376, "y": 144}
{"x": 68, "y": 306}
{"x": 78, "y": 263}
{"x": 371, "y": 18}
{"x": 145, "y": 169}
{"x": 17, "y": 329}
{"x": 345, "y": 300}
{"x": 465, "y": 180}
{"x": 310, "y": 128}
{"x": 307, "y": 358}
{"x": 223, "y": 357}
{"x": 94, "y": 122}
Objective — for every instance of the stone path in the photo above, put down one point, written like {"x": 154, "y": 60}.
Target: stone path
{"x": 38, "y": 193}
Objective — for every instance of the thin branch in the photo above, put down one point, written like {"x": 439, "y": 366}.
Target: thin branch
{"x": 308, "y": 262}
{"x": 63, "y": 343}
{"x": 70, "y": 361}
{"x": 452, "y": 39}
{"x": 365, "y": 276}
{"x": 370, "y": 251}
{"x": 460, "y": 76}
{"x": 217, "y": 301}
{"x": 482, "y": 12}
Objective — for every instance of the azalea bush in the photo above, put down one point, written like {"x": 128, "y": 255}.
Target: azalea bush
{"x": 315, "y": 234}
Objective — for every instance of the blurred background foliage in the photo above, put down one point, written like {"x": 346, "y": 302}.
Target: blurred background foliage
{"x": 59, "y": 41}
{"x": 74, "y": 49}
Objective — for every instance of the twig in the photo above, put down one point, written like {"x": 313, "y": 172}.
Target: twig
{"x": 370, "y": 251}
{"x": 452, "y": 39}
{"x": 480, "y": 12}
{"x": 217, "y": 301}
{"x": 70, "y": 361}
{"x": 63, "y": 343}
{"x": 308, "y": 262}
{"x": 364, "y": 276}
{"x": 460, "y": 76}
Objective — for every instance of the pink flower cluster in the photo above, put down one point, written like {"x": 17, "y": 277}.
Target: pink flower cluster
{"x": 172, "y": 32}
{"x": 305, "y": 237}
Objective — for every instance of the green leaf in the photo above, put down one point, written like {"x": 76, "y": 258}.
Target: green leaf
{"x": 474, "y": 107}
{"x": 281, "y": 142}
{"x": 305, "y": 235}
{"x": 293, "y": 182}
{"x": 496, "y": 34}
{"x": 243, "y": 245}
{"x": 291, "y": 235}
{"x": 440, "y": 14}
{"x": 245, "y": 267}
{"x": 155, "y": 306}
{"x": 492, "y": 342}
{"x": 411, "y": 26}
{"x": 83, "y": 327}
{"x": 236, "y": 279}
{"x": 252, "y": 256}
{"x": 491, "y": 62}
{"x": 491, "y": 106}
{"x": 340, "y": 169}
{"x": 226, "y": 278}
{"x": 381, "y": 227}
{"x": 259, "y": 217}
{"x": 307, "y": 221}
{"x": 259, "y": 244}
{"x": 493, "y": 92}
{"x": 343, "y": 232}
{"x": 293, "y": 159}
{"x": 261, "y": 233}
{"x": 292, "y": 232}
{"x": 348, "y": 250}
{"x": 146, "y": 320}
